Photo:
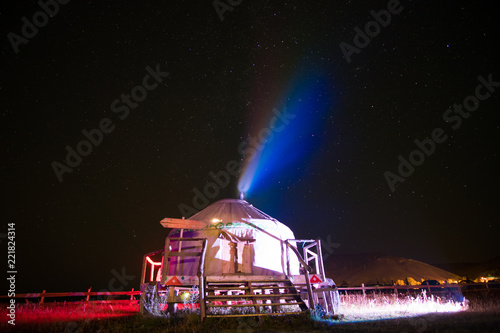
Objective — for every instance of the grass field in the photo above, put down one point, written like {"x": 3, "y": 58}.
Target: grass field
{"x": 377, "y": 314}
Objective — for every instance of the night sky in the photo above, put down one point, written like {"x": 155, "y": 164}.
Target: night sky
{"x": 224, "y": 79}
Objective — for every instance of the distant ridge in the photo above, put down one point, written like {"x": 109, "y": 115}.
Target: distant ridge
{"x": 380, "y": 269}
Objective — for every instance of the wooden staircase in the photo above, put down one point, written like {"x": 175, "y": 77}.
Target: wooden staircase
{"x": 238, "y": 294}
{"x": 244, "y": 296}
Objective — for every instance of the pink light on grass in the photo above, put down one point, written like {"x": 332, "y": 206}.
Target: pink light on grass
{"x": 34, "y": 313}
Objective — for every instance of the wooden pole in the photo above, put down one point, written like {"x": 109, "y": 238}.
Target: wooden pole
{"x": 144, "y": 267}
{"x": 43, "y": 296}
{"x": 166, "y": 261}
{"x": 309, "y": 291}
{"x": 320, "y": 259}
{"x": 178, "y": 268}
{"x": 88, "y": 293}
{"x": 364, "y": 293}
{"x": 201, "y": 275}
{"x": 325, "y": 299}
{"x": 287, "y": 258}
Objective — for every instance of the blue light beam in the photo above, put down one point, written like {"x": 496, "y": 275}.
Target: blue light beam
{"x": 294, "y": 132}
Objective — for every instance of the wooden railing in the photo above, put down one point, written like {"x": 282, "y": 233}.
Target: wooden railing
{"x": 44, "y": 294}
{"x": 364, "y": 290}
{"x": 431, "y": 289}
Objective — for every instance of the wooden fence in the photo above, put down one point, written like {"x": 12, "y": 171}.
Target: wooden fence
{"x": 44, "y": 294}
{"x": 438, "y": 290}
{"x": 363, "y": 290}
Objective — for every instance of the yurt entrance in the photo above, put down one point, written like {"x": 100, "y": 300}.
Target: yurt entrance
{"x": 237, "y": 256}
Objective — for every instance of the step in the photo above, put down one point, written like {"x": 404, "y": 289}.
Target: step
{"x": 257, "y": 314}
{"x": 290, "y": 298}
{"x": 249, "y": 296}
{"x": 246, "y": 278}
{"x": 227, "y": 288}
{"x": 250, "y": 305}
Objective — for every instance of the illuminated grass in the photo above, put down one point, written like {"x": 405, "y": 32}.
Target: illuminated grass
{"x": 359, "y": 308}
{"x": 370, "y": 314}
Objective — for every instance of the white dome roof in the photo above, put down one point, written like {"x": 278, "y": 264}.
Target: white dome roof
{"x": 230, "y": 210}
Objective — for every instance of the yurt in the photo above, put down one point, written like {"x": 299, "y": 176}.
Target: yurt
{"x": 241, "y": 240}
{"x": 233, "y": 255}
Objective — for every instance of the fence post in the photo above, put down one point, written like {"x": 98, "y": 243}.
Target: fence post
{"x": 364, "y": 293}
{"x": 43, "y": 297}
{"x": 132, "y": 295}
{"x": 88, "y": 293}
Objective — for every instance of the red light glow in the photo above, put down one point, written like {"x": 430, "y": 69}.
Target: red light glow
{"x": 34, "y": 313}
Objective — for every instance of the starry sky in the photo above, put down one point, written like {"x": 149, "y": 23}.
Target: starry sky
{"x": 225, "y": 78}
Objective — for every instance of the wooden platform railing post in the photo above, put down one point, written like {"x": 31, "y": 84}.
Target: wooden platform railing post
{"x": 287, "y": 251}
{"x": 201, "y": 275}
{"x": 179, "y": 260}
{"x": 88, "y": 293}
{"x": 309, "y": 291}
{"x": 325, "y": 300}
{"x": 143, "y": 272}
{"x": 132, "y": 295}
{"x": 364, "y": 292}
{"x": 320, "y": 259}
{"x": 166, "y": 260}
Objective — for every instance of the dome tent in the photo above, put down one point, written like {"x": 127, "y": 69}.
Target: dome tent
{"x": 241, "y": 240}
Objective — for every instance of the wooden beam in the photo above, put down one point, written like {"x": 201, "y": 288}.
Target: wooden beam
{"x": 244, "y": 278}
{"x": 320, "y": 258}
{"x": 309, "y": 292}
{"x": 258, "y": 314}
{"x": 201, "y": 274}
{"x": 258, "y": 305}
{"x": 184, "y": 254}
{"x": 143, "y": 272}
{"x": 166, "y": 261}
{"x": 182, "y": 224}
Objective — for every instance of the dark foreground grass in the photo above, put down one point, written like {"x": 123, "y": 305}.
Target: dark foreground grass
{"x": 467, "y": 321}
{"x": 483, "y": 315}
